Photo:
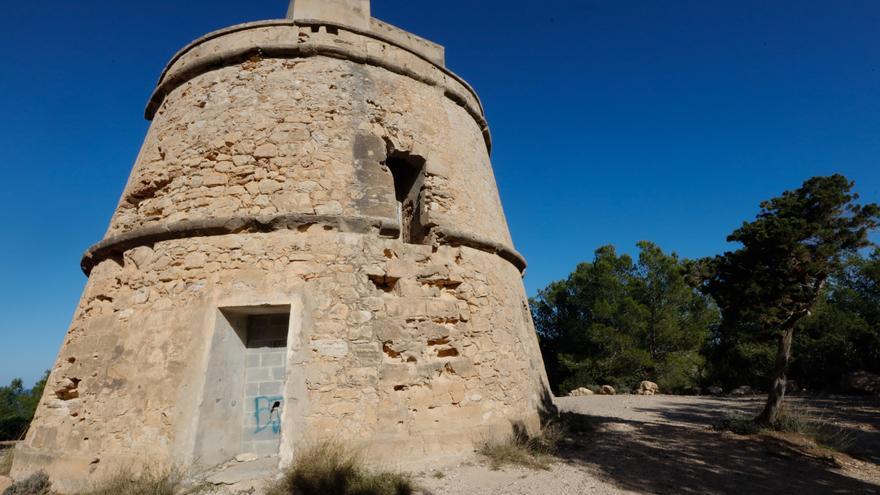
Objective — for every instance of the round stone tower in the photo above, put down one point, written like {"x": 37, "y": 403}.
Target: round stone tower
{"x": 311, "y": 246}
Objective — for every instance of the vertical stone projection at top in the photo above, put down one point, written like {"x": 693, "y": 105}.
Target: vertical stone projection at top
{"x": 310, "y": 246}
{"x": 354, "y": 13}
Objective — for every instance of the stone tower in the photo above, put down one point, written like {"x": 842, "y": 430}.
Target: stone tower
{"x": 311, "y": 245}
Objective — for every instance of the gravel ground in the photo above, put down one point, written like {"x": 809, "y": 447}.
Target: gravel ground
{"x": 665, "y": 445}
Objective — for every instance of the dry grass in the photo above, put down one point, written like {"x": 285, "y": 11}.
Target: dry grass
{"x": 148, "y": 482}
{"x": 333, "y": 468}
{"x": 36, "y": 484}
{"x": 6, "y": 461}
{"x": 521, "y": 449}
{"x": 794, "y": 420}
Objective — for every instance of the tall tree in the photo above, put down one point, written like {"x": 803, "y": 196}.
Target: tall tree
{"x": 615, "y": 321}
{"x": 17, "y": 407}
{"x": 843, "y": 333}
{"x": 788, "y": 252}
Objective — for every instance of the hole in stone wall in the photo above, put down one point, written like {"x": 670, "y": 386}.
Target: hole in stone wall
{"x": 444, "y": 353}
{"x": 385, "y": 284}
{"x": 267, "y": 331}
{"x": 332, "y": 30}
{"x": 389, "y": 351}
{"x": 315, "y": 29}
{"x": 408, "y": 172}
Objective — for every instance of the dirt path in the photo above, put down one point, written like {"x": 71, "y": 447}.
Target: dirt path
{"x": 665, "y": 445}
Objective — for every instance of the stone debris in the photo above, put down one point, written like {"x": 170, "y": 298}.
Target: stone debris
{"x": 607, "y": 390}
{"x": 714, "y": 390}
{"x": 580, "y": 392}
{"x": 648, "y": 388}
{"x": 861, "y": 382}
{"x": 742, "y": 391}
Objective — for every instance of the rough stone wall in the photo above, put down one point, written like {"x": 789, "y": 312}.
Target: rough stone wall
{"x": 274, "y": 137}
{"x": 410, "y": 350}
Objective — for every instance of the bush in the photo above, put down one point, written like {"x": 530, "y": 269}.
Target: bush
{"x": 825, "y": 433}
{"x": 332, "y": 468}
{"x": 35, "y": 484}
{"x": 681, "y": 372}
{"x": 13, "y": 428}
{"x": 795, "y": 420}
{"x": 150, "y": 482}
{"x": 738, "y": 423}
{"x": 520, "y": 448}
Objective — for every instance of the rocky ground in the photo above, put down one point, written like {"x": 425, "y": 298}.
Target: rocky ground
{"x": 665, "y": 444}
{"x": 656, "y": 444}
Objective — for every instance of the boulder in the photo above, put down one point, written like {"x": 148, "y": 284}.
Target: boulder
{"x": 607, "y": 390}
{"x": 714, "y": 390}
{"x": 743, "y": 390}
{"x": 861, "y": 382}
{"x": 580, "y": 392}
{"x": 648, "y": 388}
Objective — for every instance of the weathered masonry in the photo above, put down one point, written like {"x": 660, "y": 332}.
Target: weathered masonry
{"x": 311, "y": 245}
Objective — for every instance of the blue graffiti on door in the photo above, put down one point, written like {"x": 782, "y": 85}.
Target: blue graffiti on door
{"x": 267, "y": 412}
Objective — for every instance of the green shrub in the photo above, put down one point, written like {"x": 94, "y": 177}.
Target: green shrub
{"x": 825, "y": 433}
{"x": 331, "y": 468}
{"x": 35, "y": 484}
{"x": 794, "y": 419}
{"x": 738, "y": 423}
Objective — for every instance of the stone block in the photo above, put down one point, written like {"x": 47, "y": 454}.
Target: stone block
{"x": 355, "y": 13}
{"x": 331, "y": 348}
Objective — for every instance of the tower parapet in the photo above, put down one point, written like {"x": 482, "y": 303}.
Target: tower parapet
{"x": 311, "y": 245}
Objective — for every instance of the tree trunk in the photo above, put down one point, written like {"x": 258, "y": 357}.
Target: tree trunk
{"x": 777, "y": 378}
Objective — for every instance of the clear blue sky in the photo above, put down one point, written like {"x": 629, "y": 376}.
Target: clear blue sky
{"x": 614, "y": 121}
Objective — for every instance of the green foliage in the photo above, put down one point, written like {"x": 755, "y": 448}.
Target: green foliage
{"x": 738, "y": 423}
{"x": 617, "y": 322}
{"x": 333, "y": 468}
{"x": 17, "y": 407}
{"x": 843, "y": 333}
{"x": 764, "y": 289}
{"x": 793, "y": 419}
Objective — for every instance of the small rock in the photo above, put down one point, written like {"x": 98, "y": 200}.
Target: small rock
{"x": 267, "y": 150}
{"x": 249, "y": 457}
{"x": 269, "y": 186}
{"x": 648, "y": 388}
{"x": 607, "y": 390}
{"x": 580, "y": 392}
{"x": 861, "y": 382}
{"x": 714, "y": 390}
{"x": 741, "y": 391}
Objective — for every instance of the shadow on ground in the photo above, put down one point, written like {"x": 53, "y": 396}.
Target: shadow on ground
{"x": 681, "y": 454}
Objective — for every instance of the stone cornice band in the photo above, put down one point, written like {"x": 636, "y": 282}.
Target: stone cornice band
{"x": 118, "y": 244}
{"x": 171, "y": 80}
